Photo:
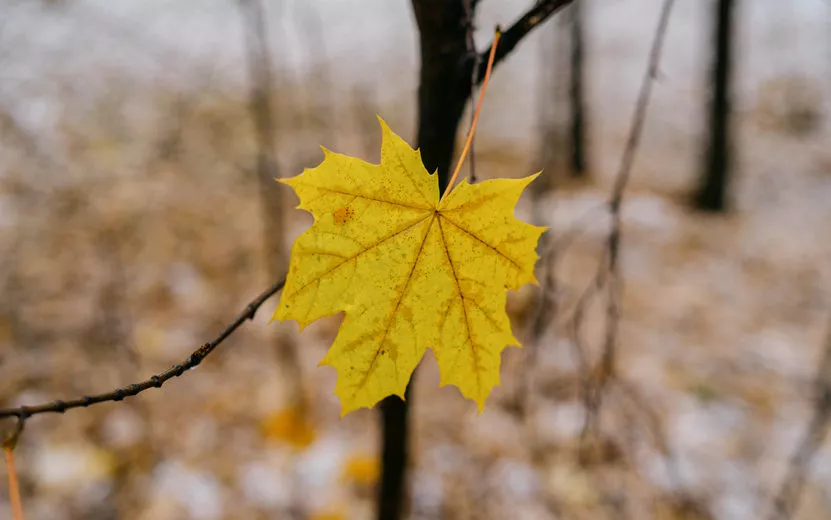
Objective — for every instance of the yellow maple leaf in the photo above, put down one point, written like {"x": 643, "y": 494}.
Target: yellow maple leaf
{"x": 411, "y": 271}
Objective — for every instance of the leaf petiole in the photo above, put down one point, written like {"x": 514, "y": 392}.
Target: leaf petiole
{"x": 466, "y": 149}
{"x": 14, "y": 487}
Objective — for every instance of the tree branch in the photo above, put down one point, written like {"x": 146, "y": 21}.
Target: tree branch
{"x": 787, "y": 499}
{"x": 608, "y": 272}
{"x": 156, "y": 381}
{"x": 519, "y": 30}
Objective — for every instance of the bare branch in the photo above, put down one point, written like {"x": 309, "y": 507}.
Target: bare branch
{"x": 609, "y": 268}
{"x": 261, "y": 88}
{"x": 787, "y": 499}
{"x": 156, "y": 381}
{"x": 639, "y": 118}
{"x": 519, "y": 30}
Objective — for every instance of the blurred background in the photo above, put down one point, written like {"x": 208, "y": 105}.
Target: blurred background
{"x": 135, "y": 222}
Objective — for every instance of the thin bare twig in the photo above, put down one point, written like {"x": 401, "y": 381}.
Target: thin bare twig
{"x": 638, "y": 412}
{"x": 518, "y": 31}
{"x": 545, "y": 311}
{"x": 259, "y": 105}
{"x": 787, "y": 499}
{"x": 609, "y": 269}
{"x": 653, "y": 426}
{"x": 261, "y": 88}
{"x": 156, "y": 381}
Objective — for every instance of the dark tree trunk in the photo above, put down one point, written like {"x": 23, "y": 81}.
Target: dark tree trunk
{"x": 576, "y": 94}
{"x": 443, "y": 91}
{"x": 444, "y": 84}
{"x": 394, "y": 455}
{"x": 442, "y": 96}
{"x": 712, "y": 191}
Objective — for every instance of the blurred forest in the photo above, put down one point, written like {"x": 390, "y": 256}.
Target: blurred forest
{"x": 137, "y": 217}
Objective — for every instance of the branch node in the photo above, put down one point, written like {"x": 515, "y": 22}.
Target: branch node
{"x": 9, "y": 441}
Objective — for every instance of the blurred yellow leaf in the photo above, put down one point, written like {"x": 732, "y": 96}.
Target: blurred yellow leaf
{"x": 290, "y": 425}
{"x": 327, "y": 515}
{"x": 410, "y": 271}
{"x": 361, "y": 470}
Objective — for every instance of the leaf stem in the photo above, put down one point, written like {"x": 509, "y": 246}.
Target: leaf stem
{"x": 14, "y": 487}
{"x": 466, "y": 149}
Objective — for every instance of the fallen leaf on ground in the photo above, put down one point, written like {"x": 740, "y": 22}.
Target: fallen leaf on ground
{"x": 361, "y": 469}
{"x": 289, "y": 425}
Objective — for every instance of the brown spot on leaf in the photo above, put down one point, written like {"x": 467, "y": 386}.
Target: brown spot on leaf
{"x": 343, "y": 215}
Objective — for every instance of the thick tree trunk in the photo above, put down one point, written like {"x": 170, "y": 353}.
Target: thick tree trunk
{"x": 712, "y": 191}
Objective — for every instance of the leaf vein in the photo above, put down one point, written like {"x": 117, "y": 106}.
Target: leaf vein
{"x": 473, "y": 351}
{"x": 473, "y": 235}
{"x": 367, "y": 197}
{"x": 359, "y": 253}
{"x": 395, "y": 310}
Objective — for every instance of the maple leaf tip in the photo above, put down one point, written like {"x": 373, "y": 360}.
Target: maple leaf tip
{"x": 351, "y": 406}
{"x": 386, "y": 131}
{"x": 301, "y": 326}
